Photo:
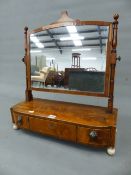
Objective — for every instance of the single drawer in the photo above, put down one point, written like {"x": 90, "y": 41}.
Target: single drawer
{"x": 66, "y": 131}
{"x": 43, "y": 126}
{"x": 93, "y": 136}
{"x": 22, "y": 121}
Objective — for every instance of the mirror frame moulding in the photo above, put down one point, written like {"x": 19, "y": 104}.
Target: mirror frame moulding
{"x": 65, "y": 21}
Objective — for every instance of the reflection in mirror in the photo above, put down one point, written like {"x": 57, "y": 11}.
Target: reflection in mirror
{"x": 69, "y": 58}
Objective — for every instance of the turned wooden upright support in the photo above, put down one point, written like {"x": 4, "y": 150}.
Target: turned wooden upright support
{"x": 113, "y": 63}
{"x": 28, "y": 92}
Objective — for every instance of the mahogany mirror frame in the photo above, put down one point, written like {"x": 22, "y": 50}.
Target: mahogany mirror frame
{"x": 111, "y": 58}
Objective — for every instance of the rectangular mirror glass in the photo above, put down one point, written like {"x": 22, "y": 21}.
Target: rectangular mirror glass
{"x": 71, "y": 58}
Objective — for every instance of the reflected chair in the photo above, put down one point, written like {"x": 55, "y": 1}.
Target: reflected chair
{"x": 42, "y": 75}
{"x": 34, "y": 70}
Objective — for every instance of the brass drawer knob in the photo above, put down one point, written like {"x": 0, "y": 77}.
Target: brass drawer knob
{"x": 93, "y": 134}
{"x": 19, "y": 120}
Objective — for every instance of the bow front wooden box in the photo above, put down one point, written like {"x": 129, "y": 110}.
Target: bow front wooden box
{"x": 91, "y": 125}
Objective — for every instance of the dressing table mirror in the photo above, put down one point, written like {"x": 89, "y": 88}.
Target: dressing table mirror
{"x": 71, "y": 57}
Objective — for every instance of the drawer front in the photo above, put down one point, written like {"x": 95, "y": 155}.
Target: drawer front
{"x": 66, "y": 131}
{"x": 43, "y": 126}
{"x": 22, "y": 121}
{"x": 93, "y": 136}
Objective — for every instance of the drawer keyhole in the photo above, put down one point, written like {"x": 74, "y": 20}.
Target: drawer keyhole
{"x": 51, "y": 126}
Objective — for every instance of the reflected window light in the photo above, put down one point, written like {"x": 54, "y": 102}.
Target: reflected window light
{"x": 35, "y": 51}
{"x": 77, "y": 42}
{"x": 71, "y": 29}
{"x": 81, "y": 49}
{"x": 39, "y": 45}
{"x": 75, "y": 37}
{"x": 36, "y": 41}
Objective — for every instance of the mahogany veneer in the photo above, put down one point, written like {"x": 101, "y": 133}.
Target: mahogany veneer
{"x": 85, "y": 124}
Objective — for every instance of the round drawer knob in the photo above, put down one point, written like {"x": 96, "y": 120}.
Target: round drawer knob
{"x": 93, "y": 134}
{"x": 19, "y": 120}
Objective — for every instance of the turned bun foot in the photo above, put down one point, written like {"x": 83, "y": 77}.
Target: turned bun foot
{"x": 15, "y": 127}
{"x": 110, "y": 151}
